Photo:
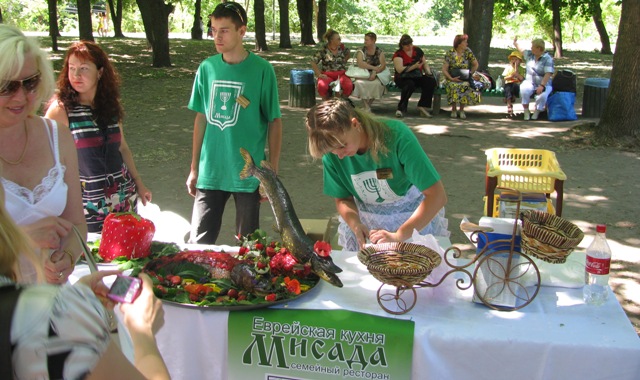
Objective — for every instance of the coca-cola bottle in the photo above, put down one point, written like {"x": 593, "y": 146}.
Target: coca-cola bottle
{"x": 596, "y": 274}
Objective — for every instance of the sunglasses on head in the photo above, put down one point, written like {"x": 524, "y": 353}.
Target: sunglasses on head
{"x": 10, "y": 87}
{"x": 234, "y": 8}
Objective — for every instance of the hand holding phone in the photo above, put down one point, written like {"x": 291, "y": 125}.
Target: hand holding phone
{"x": 125, "y": 289}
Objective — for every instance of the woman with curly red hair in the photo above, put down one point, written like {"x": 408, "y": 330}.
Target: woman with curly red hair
{"x": 88, "y": 102}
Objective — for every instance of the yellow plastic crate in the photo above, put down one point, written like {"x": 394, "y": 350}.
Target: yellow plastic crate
{"x": 526, "y": 170}
{"x": 496, "y": 205}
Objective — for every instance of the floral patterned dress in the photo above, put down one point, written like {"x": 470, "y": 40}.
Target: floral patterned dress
{"x": 460, "y": 92}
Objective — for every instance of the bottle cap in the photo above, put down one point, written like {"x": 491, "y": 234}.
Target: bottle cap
{"x": 601, "y": 228}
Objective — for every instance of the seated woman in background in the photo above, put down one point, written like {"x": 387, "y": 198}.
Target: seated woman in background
{"x": 330, "y": 64}
{"x": 62, "y": 332}
{"x": 88, "y": 103}
{"x": 538, "y": 71}
{"x": 459, "y": 65}
{"x": 384, "y": 185}
{"x": 370, "y": 57}
{"x": 411, "y": 66}
{"x": 40, "y": 160}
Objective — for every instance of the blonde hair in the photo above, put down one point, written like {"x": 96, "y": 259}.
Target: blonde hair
{"x": 15, "y": 48}
{"x": 330, "y": 120}
{"x": 13, "y": 243}
{"x": 538, "y": 42}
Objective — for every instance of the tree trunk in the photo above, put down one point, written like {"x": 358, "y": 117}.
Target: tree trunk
{"x": 53, "y": 23}
{"x": 1, "y": 19}
{"x": 155, "y": 17}
{"x": 478, "y": 22}
{"x": 84, "y": 20}
{"x": 261, "y": 28}
{"x": 619, "y": 118}
{"x": 116, "y": 18}
{"x": 557, "y": 29}
{"x": 305, "y": 12}
{"x": 321, "y": 23}
{"x": 196, "y": 29}
{"x": 285, "y": 30}
{"x": 602, "y": 31}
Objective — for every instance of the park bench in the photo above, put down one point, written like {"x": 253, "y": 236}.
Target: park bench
{"x": 437, "y": 95}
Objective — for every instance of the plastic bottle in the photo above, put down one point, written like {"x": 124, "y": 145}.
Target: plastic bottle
{"x": 499, "y": 83}
{"x": 596, "y": 274}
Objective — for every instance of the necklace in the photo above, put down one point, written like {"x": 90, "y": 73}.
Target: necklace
{"x": 24, "y": 151}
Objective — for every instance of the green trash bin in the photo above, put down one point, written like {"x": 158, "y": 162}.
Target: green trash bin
{"x": 595, "y": 96}
{"x": 302, "y": 89}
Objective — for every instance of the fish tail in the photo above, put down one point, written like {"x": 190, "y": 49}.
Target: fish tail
{"x": 249, "y": 166}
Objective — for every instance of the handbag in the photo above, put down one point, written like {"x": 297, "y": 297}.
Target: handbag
{"x": 417, "y": 73}
{"x": 384, "y": 76}
{"x": 355, "y": 72}
{"x": 8, "y": 300}
{"x": 462, "y": 74}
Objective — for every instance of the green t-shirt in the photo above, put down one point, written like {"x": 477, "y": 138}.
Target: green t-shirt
{"x": 230, "y": 126}
{"x": 390, "y": 178}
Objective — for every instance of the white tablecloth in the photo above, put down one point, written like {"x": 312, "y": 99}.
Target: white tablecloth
{"x": 557, "y": 336}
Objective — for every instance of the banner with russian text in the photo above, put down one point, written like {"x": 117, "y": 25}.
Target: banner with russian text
{"x": 277, "y": 344}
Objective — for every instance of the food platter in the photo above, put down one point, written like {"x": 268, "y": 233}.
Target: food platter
{"x": 240, "y": 307}
{"x": 245, "y": 277}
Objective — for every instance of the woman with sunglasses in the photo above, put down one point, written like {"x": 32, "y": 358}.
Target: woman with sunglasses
{"x": 39, "y": 159}
{"x": 62, "y": 332}
{"x": 88, "y": 103}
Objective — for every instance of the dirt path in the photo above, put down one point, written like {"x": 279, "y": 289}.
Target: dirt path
{"x": 601, "y": 186}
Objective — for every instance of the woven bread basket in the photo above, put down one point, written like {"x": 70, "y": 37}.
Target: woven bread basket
{"x": 549, "y": 237}
{"x": 399, "y": 264}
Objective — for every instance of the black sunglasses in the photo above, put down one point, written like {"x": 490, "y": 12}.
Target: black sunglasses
{"x": 234, "y": 8}
{"x": 10, "y": 87}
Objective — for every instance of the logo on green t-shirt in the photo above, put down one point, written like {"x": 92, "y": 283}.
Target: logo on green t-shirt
{"x": 224, "y": 110}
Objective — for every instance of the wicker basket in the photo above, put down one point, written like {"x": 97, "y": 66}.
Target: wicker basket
{"x": 549, "y": 237}
{"x": 399, "y": 264}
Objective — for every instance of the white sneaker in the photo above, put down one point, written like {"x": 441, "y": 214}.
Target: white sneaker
{"x": 399, "y": 114}
{"x": 462, "y": 115}
{"x": 535, "y": 115}
{"x": 454, "y": 114}
{"x": 527, "y": 114}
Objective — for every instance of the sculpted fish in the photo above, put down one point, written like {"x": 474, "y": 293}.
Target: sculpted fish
{"x": 288, "y": 224}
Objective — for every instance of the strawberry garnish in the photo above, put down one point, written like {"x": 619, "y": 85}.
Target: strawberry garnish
{"x": 126, "y": 234}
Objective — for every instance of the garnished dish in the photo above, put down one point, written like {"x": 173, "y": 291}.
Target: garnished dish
{"x": 261, "y": 273}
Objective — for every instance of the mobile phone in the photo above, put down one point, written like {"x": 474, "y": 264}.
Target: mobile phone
{"x": 125, "y": 289}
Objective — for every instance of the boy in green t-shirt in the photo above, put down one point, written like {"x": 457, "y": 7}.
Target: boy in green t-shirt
{"x": 235, "y": 95}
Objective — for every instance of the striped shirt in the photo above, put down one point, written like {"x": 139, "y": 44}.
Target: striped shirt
{"x": 107, "y": 185}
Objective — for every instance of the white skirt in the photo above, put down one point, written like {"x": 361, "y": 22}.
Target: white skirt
{"x": 390, "y": 216}
{"x": 368, "y": 89}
